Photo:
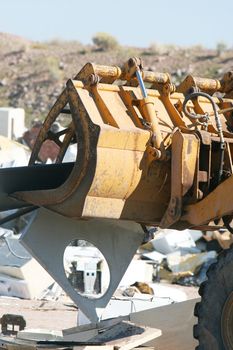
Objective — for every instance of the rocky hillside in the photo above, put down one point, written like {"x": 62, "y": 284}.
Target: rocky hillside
{"x": 32, "y": 74}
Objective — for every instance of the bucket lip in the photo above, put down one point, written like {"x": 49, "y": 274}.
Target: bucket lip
{"x": 25, "y": 178}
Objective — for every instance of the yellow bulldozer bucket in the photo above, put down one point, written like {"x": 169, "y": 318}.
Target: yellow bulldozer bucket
{"x": 147, "y": 150}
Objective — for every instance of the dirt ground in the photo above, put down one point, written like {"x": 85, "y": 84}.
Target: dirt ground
{"x": 52, "y": 315}
{"x": 55, "y": 315}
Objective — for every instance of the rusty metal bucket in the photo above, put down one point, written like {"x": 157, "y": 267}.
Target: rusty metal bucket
{"x": 138, "y": 157}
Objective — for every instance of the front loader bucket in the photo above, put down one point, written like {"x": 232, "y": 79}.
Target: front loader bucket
{"x": 110, "y": 178}
{"x": 140, "y": 155}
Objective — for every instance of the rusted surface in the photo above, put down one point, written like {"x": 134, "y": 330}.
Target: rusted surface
{"x": 204, "y": 84}
{"x": 52, "y": 116}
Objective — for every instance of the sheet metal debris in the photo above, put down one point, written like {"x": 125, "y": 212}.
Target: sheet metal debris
{"x": 20, "y": 275}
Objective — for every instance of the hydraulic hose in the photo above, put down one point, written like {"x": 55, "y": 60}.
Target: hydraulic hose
{"x": 193, "y": 95}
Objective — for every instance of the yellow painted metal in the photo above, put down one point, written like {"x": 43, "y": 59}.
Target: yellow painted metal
{"x": 217, "y": 204}
{"x": 147, "y": 108}
{"x": 204, "y": 84}
{"x": 138, "y": 158}
{"x": 184, "y": 165}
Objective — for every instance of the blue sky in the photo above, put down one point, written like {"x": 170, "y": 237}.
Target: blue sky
{"x": 132, "y": 22}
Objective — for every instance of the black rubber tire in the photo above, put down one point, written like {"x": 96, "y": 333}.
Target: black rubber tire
{"x": 214, "y": 293}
